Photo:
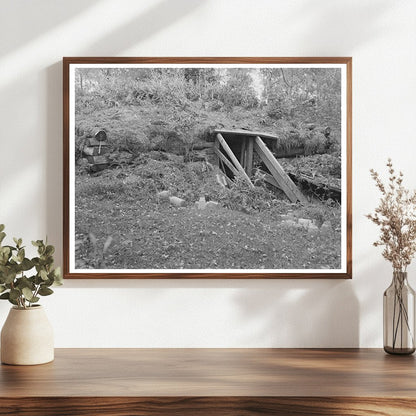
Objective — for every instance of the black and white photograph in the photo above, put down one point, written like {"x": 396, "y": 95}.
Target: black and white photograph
{"x": 207, "y": 169}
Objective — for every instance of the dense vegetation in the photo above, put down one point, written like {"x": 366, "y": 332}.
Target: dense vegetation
{"x": 156, "y": 120}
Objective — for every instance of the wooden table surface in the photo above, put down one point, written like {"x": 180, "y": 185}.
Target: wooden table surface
{"x": 212, "y": 381}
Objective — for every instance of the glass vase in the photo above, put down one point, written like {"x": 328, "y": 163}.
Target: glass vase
{"x": 399, "y": 316}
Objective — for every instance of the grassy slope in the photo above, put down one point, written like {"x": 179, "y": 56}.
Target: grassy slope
{"x": 150, "y": 234}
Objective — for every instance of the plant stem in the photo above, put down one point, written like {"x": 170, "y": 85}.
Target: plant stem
{"x": 401, "y": 314}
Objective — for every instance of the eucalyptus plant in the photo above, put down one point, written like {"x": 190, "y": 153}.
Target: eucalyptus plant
{"x": 16, "y": 285}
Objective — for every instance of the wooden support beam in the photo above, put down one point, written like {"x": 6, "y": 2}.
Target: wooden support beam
{"x": 233, "y": 159}
{"x": 245, "y": 133}
{"x": 243, "y": 153}
{"x": 216, "y": 147}
{"x": 270, "y": 179}
{"x": 278, "y": 173}
{"x": 249, "y": 156}
{"x": 226, "y": 161}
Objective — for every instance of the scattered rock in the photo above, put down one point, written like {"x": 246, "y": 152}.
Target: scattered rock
{"x": 212, "y": 205}
{"x": 313, "y": 229}
{"x": 305, "y": 223}
{"x": 290, "y": 223}
{"x": 177, "y": 202}
{"x": 163, "y": 194}
{"x": 326, "y": 226}
{"x": 201, "y": 204}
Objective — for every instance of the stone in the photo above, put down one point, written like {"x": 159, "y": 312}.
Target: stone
{"x": 201, "y": 204}
{"x": 163, "y": 195}
{"x": 326, "y": 226}
{"x": 313, "y": 229}
{"x": 177, "y": 202}
{"x": 290, "y": 223}
{"x": 212, "y": 205}
{"x": 305, "y": 223}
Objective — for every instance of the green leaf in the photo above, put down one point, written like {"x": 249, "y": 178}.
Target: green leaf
{"x": 26, "y": 264}
{"x": 43, "y": 274}
{"x": 15, "y": 294}
{"x": 8, "y": 277}
{"x": 48, "y": 260}
{"x": 57, "y": 276}
{"x": 21, "y": 255}
{"x": 5, "y": 250}
{"x": 2, "y": 288}
{"x": 2, "y": 236}
{"x": 2, "y": 227}
{"x": 37, "y": 243}
{"x": 49, "y": 250}
{"x": 4, "y": 255}
{"x": 37, "y": 280}
{"x": 13, "y": 302}
{"x": 45, "y": 291}
{"x": 11, "y": 248}
{"x": 24, "y": 282}
{"x": 27, "y": 293}
{"x": 5, "y": 295}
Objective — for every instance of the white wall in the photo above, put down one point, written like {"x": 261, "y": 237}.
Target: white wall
{"x": 380, "y": 35}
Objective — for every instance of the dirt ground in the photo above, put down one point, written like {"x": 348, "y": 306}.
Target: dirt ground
{"x": 151, "y": 234}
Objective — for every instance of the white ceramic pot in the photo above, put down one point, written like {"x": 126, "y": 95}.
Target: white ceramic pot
{"x": 27, "y": 337}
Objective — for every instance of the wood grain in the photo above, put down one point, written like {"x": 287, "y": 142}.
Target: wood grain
{"x": 207, "y": 406}
{"x": 206, "y": 60}
{"x": 277, "y": 171}
{"x": 212, "y": 381}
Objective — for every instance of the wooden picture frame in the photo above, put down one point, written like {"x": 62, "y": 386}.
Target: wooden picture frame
{"x": 99, "y": 243}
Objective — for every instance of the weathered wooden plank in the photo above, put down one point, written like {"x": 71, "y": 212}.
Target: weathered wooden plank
{"x": 234, "y": 160}
{"x": 249, "y": 156}
{"x": 316, "y": 182}
{"x": 241, "y": 132}
{"x": 270, "y": 179}
{"x": 243, "y": 153}
{"x": 226, "y": 161}
{"x": 284, "y": 181}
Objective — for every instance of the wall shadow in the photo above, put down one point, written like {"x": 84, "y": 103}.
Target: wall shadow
{"x": 337, "y": 18}
{"x": 302, "y": 314}
{"x": 158, "y": 17}
{"x": 41, "y": 16}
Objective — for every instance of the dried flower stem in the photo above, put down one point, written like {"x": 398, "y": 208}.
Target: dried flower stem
{"x": 396, "y": 216}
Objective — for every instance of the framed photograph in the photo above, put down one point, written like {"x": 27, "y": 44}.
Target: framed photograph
{"x": 207, "y": 167}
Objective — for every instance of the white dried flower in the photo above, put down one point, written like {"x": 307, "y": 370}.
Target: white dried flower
{"x": 396, "y": 217}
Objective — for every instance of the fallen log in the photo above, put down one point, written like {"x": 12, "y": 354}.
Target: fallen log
{"x": 320, "y": 186}
{"x": 298, "y": 151}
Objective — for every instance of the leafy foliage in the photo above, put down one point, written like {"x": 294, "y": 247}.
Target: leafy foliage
{"x": 15, "y": 285}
